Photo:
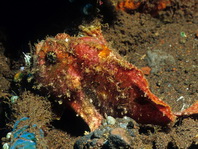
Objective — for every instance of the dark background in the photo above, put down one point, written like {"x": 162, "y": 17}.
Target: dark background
{"x": 32, "y": 20}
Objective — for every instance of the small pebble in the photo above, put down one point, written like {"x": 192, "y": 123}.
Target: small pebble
{"x": 97, "y": 134}
{"x": 8, "y": 136}
{"x": 6, "y": 146}
{"x": 123, "y": 125}
{"x": 111, "y": 120}
{"x": 14, "y": 99}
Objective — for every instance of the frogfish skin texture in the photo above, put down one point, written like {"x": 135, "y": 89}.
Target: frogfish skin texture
{"x": 90, "y": 77}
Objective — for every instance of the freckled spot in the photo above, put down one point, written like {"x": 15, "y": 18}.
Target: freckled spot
{"x": 104, "y": 52}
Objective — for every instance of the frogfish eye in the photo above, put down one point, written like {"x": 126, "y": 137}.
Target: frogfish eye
{"x": 51, "y": 57}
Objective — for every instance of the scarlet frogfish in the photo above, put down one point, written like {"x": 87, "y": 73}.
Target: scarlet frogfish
{"x": 94, "y": 80}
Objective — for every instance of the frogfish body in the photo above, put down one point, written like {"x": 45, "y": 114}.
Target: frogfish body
{"x": 95, "y": 81}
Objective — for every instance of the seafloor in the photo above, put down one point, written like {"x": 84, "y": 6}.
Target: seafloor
{"x": 166, "y": 42}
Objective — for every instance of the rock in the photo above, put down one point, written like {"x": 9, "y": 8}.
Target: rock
{"x": 121, "y": 134}
{"x": 97, "y": 134}
{"x": 157, "y": 59}
{"x": 80, "y": 143}
{"x": 119, "y": 138}
{"x": 126, "y": 122}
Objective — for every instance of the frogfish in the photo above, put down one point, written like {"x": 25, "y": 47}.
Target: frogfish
{"x": 90, "y": 77}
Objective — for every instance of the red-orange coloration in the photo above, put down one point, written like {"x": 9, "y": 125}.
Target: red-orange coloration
{"x": 192, "y": 110}
{"x": 146, "y": 70}
{"x": 162, "y": 4}
{"x": 128, "y": 5}
{"x": 94, "y": 80}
